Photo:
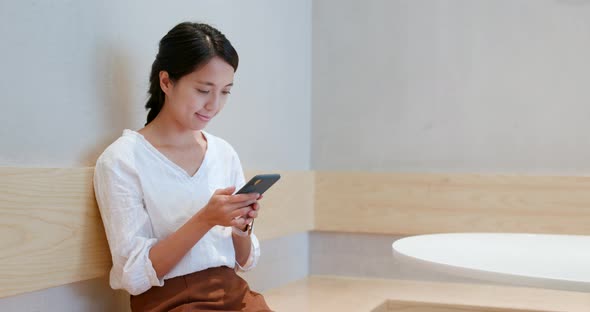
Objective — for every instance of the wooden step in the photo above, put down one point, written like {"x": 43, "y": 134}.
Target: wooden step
{"x": 335, "y": 293}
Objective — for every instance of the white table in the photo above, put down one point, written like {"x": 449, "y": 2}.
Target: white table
{"x": 535, "y": 260}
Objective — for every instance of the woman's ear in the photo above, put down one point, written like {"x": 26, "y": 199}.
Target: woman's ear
{"x": 165, "y": 82}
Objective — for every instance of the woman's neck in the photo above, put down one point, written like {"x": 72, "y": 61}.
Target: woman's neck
{"x": 163, "y": 132}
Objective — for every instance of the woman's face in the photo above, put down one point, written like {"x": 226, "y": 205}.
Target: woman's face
{"x": 196, "y": 98}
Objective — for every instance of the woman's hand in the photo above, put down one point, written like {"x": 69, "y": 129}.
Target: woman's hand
{"x": 252, "y": 214}
{"x": 226, "y": 209}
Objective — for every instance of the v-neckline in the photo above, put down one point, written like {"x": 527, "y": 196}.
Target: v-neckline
{"x": 171, "y": 163}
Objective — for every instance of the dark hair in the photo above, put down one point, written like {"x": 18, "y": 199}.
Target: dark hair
{"x": 182, "y": 50}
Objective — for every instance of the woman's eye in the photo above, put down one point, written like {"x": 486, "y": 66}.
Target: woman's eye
{"x": 203, "y": 91}
{"x": 226, "y": 92}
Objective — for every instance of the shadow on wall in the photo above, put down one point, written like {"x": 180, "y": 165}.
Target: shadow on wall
{"x": 116, "y": 113}
{"x": 93, "y": 295}
{"x": 97, "y": 295}
{"x": 115, "y": 94}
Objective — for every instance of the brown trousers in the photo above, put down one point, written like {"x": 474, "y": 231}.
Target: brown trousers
{"x": 213, "y": 289}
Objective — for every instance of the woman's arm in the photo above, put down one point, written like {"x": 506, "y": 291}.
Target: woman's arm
{"x": 222, "y": 209}
{"x": 242, "y": 244}
{"x": 247, "y": 248}
{"x": 243, "y": 241}
{"x": 166, "y": 253}
{"x": 243, "y": 247}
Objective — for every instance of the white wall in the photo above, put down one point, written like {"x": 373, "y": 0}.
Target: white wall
{"x": 75, "y": 74}
{"x": 451, "y": 86}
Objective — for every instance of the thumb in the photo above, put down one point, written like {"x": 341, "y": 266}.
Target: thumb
{"x": 226, "y": 191}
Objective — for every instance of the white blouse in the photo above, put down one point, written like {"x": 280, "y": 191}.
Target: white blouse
{"x": 143, "y": 197}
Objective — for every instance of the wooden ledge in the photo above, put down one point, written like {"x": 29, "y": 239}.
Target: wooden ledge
{"x": 331, "y": 293}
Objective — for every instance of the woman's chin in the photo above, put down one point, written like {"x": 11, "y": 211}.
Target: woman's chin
{"x": 199, "y": 125}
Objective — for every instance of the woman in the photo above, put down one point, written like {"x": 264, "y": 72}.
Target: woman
{"x": 176, "y": 233}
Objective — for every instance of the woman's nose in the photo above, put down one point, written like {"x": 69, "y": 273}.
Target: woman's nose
{"x": 212, "y": 103}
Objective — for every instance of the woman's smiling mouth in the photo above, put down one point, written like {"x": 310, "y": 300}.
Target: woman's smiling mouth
{"x": 203, "y": 117}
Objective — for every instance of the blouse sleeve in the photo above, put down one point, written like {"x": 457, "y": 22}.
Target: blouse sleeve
{"x": 127, "y": 226}
{"x": 239, "y": 181}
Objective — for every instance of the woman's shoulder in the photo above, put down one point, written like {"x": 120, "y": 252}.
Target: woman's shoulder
{"x": 122, "y": 150}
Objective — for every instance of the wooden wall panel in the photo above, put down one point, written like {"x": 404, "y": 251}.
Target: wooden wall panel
{"x": 51, "y": 232}
{"x": 407, "y": 204}
{"x": 287, "y": 207}
{"x": 50, "y": 229}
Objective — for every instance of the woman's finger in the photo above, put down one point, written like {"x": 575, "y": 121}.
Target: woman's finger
{"x": 238, "y": 222}
{"x": 238, "y": 198}
{"x": 244, "y": 204}
{"x": 241, "y": 222}
{"x": 240, "y": 212}
{"x": 255, "y": 206}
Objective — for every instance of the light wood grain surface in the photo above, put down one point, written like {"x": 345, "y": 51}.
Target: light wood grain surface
{"x": 406, "y": 306}
{"x": 287, "y": 207}
{"x": 51, "y": 232}
{"x": 408, "y": 204}
{"x": 332, "y": 293}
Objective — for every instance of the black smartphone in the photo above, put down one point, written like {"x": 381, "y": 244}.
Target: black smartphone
{"x": 259, "y": 183}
